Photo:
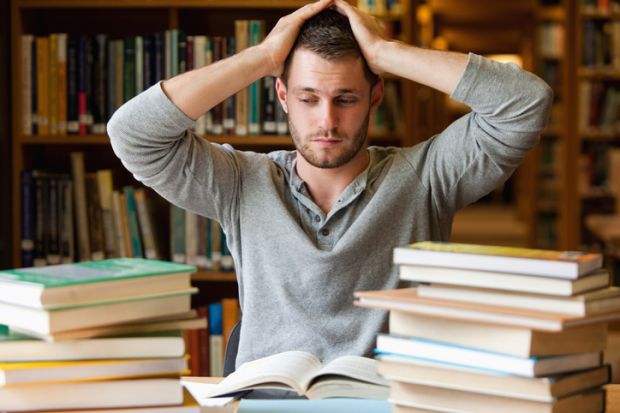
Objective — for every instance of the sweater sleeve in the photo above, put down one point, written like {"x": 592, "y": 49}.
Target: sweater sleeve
{"x": 153, "y": 139}
{"x": 479, "y": 151}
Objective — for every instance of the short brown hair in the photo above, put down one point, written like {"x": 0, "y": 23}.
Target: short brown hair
{"x": 329, "y": 35}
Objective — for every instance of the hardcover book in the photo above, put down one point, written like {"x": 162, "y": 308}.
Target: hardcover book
{"x": 559, "y": 264}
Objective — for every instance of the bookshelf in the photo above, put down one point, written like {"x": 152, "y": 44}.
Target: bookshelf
{"x": 592, "y": 147}
{"x": 551, "y": 65}
{"x": 5, "y": 142}
{"x": 50, "y": 152}
{"x": 503, "y": 31}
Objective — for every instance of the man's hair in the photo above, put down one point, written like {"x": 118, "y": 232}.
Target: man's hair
{"x": 329, "y": 35}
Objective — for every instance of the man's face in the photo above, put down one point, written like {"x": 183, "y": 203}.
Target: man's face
{"x": 328, "y": 105}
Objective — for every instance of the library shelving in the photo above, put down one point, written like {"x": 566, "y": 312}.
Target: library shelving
{"x": 551, "y": 65}
{"x": 108, "y": 51}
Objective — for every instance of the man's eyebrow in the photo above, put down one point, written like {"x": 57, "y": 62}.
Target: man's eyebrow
{"x": 341, "y": 91}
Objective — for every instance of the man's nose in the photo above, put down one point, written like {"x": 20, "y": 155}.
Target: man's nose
{"x": 329, "y": 117}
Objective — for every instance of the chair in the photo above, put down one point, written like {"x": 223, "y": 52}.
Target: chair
{"x": 232, "y": 346}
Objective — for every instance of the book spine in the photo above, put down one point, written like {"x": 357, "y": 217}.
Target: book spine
{"x": 147, "y": 229}
{"x": 72, "y": 85}
{"x": 52, "y": 222}
{"x": 111, "y": 80}
{"x": 229, "y": 103}
{"x": 27, "y": 217}
{"x": 67, "y": 238}
{"x": 177, "y": 234}
{"x": 53, "y": 83}
{"x": 132, "y": 216}
{"x": 241, "y": 99}
{"x": 216, "y": 347}
{"x": 95, "y": 220}
{"x": 81, "y": 86}
{"x": 119, "y": 72}
{"x": 99, "y": 86}
{"x": 139, "y": 75}
{"x": 81, "y": 207}
{"x": 62, "y": 84}
{"x": 129, "y": 72}
{"x": 42, "y": 85}
{"x": 121, "y": 246}
{"x": 40, "y": 222}
{"x": 26, "y": 86}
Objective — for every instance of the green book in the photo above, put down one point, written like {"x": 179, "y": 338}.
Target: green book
{"x": 94, "y": 281}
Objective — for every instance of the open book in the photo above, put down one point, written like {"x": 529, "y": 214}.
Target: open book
{"x": 302, "y": 372}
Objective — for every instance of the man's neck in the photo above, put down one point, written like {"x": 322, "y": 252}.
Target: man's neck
{"x": 325, "y": 185}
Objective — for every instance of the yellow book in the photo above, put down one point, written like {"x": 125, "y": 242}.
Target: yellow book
{"x": 83, "y": 370}
{"x": 242, "y": 101}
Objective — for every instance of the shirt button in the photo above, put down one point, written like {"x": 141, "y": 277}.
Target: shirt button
{"x": 325, "y": 232}
{"x": 317, "y": 218}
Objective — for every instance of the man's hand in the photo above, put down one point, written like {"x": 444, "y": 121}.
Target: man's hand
{"x": 278, "y": 44}
{"x": 368, "y": 31}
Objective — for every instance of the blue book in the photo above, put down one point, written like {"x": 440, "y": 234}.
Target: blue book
{"x": 485, "y": 360}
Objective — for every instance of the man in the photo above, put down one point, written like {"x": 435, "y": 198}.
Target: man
{"x": 309, "y": 227}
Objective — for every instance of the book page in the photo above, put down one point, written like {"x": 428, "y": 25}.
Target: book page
{"x": 353, "y": 367}
{"x": 287, "y": 370}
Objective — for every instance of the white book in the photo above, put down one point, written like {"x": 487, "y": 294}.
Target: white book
{"x": 345, "y": 376}
{"x": 504, "y": 339}
{"x": 37, "y": 321}
{"x": 545, "y": 263}
{"x": 79, "y": 370}
{"x": 503, "y": 281}
{"x": 593, "y": 302}
{"x": 94, "y": 394}
{"x": 484, "y": 360}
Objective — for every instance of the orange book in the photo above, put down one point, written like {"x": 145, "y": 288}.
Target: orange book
{"x": 230, "y": 317}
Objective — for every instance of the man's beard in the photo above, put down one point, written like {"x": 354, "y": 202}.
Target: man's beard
{"x": 303, "y": 146}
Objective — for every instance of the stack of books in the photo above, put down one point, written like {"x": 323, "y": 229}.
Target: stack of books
{"x": 491, "y": 329}
{"x": 96, "y": 335}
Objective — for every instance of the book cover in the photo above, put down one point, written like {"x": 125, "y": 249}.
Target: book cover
{"x": 91, "y": 272}
{"x": 560, "y": 264}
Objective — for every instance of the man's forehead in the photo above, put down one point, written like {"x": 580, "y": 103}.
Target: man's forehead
{"x": 311, "y": 71}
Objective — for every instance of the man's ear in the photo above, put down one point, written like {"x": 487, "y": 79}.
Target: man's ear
{"x": 281, "y": 92}
{"x": 376, "y": 95}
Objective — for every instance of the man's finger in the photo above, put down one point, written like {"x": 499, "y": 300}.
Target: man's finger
{"x": 311, "y": 9}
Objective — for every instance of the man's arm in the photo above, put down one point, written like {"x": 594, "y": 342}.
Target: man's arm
{"x": 438, "y": 69}
{"x": 479, "y": 151}
{"x": 151, "y": 133}
{"x": 198, "y": 91}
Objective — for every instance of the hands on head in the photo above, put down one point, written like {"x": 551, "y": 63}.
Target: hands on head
{"x": 367, "y": 30}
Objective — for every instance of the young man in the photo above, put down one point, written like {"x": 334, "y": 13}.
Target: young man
{"x": 309, "y": 227}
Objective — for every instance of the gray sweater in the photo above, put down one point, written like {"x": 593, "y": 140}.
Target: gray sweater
{"x": 297, "y": 267}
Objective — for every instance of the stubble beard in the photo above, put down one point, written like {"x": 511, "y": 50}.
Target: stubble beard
{"x": 303, "y": 145}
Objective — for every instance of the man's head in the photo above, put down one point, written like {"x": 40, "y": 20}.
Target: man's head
{"x": 328, "y": 91}
{"x": 329, "y": 35}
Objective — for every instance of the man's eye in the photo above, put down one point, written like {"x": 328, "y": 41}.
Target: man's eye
{"x": 346, "y": 101}
{"x": 306, "y": 100}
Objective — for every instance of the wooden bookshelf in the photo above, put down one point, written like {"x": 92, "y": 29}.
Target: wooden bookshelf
{"x": 122, "y": 19}
{"x": 214, "y": 276}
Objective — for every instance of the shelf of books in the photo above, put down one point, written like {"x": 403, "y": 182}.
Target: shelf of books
{"x": 77, "y": 62}
{"x": 550, "y": 65}
{"x": 595, "y": 144}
